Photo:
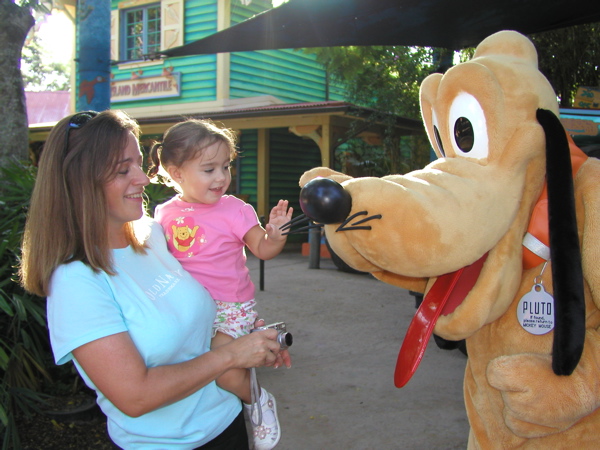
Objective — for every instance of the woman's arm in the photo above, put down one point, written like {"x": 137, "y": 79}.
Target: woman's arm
{"x": 115, "y": 366}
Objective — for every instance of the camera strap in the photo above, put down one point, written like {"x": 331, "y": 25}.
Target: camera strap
{"x": 255, "y": 399}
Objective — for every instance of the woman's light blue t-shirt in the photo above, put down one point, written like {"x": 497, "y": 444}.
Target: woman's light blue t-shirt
{"x": 169, "y": 317}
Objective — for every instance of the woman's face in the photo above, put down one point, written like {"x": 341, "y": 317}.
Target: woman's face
{"x": 124, "y": 192}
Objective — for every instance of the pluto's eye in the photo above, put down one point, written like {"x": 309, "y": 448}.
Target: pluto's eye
{"x": 436, "y": 133}
{"x": 463, "y": 134}
{"x": 467, "y": 120}
{"x": 438, "y": 140}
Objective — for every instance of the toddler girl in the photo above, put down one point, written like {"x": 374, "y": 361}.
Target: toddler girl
{"x": 207, "y": 231}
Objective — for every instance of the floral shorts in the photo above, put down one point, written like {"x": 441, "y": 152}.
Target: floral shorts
{"x": 235, "y": 319}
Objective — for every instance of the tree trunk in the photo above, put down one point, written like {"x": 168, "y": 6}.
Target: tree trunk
{"x": 15, "y": 23}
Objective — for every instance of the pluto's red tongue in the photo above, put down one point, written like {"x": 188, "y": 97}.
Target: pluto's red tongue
{"x": 448, "y": 291}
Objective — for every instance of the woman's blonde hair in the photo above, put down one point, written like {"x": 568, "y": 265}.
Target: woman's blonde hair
{"x": 185, "y": 141}
{"x": 68, "y": 215}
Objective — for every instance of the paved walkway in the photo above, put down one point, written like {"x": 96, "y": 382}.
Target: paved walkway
{"x": 339, "y": 393}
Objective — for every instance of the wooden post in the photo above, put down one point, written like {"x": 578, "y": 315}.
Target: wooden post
{"x": 263, "y": 173}
{"x": 223, "y": 59}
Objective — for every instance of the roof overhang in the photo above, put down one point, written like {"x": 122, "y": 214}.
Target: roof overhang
{"x": 346, "y": 119}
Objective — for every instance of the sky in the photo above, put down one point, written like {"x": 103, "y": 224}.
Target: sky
{"x": 57, "y": 36}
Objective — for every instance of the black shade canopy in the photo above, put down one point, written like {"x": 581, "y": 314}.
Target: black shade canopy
{"x": 452, "y": 24}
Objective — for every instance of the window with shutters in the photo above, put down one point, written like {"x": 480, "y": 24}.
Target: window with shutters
{"x": 142, "y": 27}
{"x": 140, "y": 31}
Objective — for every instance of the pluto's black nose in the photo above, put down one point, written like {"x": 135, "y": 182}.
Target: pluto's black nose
{"x": 325, "y": 201}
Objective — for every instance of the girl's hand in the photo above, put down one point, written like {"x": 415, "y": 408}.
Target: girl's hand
{"x": 280, "y": 215}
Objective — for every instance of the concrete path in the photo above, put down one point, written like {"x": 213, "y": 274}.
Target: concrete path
{"x": 339, "y": 393}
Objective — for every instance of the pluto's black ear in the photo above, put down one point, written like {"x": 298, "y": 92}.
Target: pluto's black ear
{"x": 565, "y": 254}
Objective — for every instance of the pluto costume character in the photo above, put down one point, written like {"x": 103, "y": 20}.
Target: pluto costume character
{"x": 469, "y": 231}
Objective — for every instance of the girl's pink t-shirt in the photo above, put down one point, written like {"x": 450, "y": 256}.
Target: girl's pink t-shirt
{"x": 208, "y": 241}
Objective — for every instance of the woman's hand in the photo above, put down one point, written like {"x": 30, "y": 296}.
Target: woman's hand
{"x": 253, "y": 350}
{"x": 283, "y": 357}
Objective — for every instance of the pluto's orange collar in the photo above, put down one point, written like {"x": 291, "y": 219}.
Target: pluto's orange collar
{"x": 538, "y": 225}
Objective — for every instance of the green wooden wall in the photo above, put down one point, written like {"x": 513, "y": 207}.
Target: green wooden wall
{"x": 290, "y": 157}
{"x": 290, "y": 75}
{"x": 247, "y": 164}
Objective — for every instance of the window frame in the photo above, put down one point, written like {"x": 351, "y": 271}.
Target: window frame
{"x": 125, "y": 36}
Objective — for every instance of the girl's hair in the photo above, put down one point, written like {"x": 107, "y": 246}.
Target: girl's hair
{"x": 68, "y": 215}
{"x": 185, "y": 141}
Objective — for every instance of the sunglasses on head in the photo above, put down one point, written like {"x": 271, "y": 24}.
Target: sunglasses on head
{"x": 76, "y": 122}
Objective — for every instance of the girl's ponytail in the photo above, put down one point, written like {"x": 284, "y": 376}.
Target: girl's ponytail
{"x": 154, "y": 159}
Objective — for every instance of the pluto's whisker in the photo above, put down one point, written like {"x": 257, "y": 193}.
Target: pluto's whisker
{"x": 297, "y": 219}
{"x": 299, "y": 230}
{"x": 376, "y": 216}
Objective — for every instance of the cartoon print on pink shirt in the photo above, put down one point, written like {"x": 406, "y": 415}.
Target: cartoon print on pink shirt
{"x": 185, "y": 237}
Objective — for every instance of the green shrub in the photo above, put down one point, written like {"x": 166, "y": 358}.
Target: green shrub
{"x": 23, "y": 333}
{"x": 157, "y": 193}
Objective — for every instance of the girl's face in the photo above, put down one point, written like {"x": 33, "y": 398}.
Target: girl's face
{"x": 206, "y": 178}
{"x": 124, "y": 192}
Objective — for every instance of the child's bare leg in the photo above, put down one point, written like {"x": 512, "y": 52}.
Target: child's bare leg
{"x": 236, "y": 381}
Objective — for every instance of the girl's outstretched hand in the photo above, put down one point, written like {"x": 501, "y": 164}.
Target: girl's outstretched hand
{"x": 280, "y": 215}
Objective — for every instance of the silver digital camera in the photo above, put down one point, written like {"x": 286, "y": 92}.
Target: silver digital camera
{"x": 284, "y": 338}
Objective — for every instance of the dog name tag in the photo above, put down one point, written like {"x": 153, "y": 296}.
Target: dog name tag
{"x": 536, "y": 311}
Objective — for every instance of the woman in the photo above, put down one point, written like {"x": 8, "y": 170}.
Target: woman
{"x": 136, "y": 325}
